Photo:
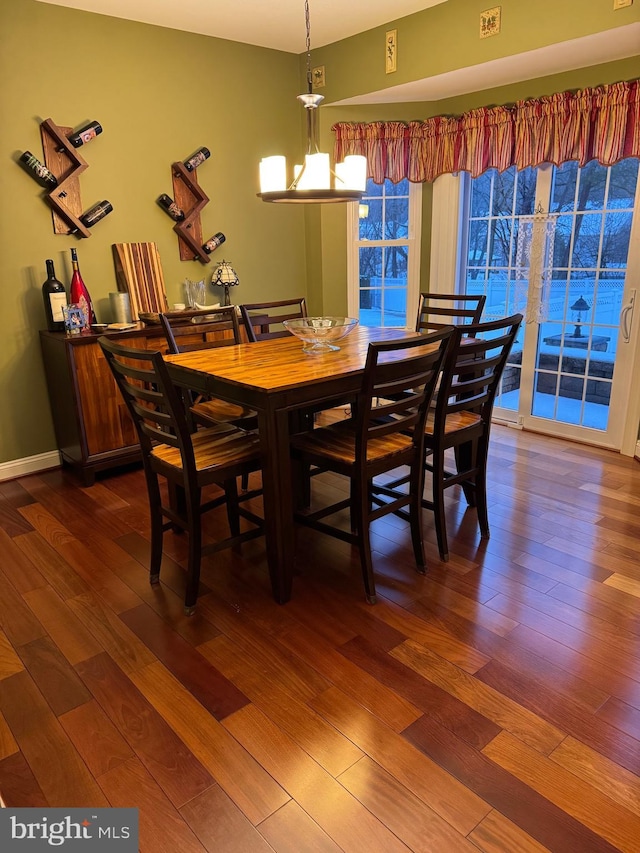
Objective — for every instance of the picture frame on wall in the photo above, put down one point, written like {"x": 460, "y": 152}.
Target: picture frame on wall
{"x": 391, "y": 51}
{"x": 490, "y": 22}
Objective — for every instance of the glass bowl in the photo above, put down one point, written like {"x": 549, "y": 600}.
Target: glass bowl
{"x": 319, "y": 334}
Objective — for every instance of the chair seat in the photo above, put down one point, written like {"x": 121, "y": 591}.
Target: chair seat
{"x": 217, "y": 447}
{"x": 219, "y": 411}
{"x": 454, "y": 422}
{"x": 338, "y": 443}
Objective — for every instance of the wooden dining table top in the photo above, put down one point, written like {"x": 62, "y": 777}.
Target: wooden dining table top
{"x": 279, "y": 363}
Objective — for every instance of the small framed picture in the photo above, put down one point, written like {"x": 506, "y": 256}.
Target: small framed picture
{"x": 391, "y": 51}
{"x": 317, "y": 77}
{"x": 490, "y": 22}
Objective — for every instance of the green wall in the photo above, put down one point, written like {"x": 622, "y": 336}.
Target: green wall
{"x": 446, "y": 37}
{"x": 159, "y": 94}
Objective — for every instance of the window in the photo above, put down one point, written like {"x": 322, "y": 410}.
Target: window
{"x": 384, "y": 254}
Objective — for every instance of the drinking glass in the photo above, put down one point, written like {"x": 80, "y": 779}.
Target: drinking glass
{"x": 194, "y": 292}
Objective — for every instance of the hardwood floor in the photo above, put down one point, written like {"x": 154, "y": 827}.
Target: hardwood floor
{"x": 493, "y": 704}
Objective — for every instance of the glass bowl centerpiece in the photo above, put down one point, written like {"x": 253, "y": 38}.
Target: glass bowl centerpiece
{"x": 319, "y": 334}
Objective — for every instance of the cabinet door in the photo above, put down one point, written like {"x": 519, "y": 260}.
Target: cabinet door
{"x": 106, "y": 421}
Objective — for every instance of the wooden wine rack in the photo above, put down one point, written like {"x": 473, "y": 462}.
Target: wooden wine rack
{"x": 191, "y": 199}
{"x": 67, "y": 165}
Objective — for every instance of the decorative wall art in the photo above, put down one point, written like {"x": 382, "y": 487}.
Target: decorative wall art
{"x": 391, "y": 51}
{"x": 317, "y": 75}
{"x": 490, "y": 22}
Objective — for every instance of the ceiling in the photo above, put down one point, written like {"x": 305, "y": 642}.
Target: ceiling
{"x": 279, "y": 24}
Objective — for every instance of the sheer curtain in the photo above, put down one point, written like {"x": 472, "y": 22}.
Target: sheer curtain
{"x": 601, "y": 124}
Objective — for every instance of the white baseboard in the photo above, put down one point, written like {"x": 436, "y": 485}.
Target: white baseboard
{"x": 29, "y": 465}
{"x": 637, "y": 453}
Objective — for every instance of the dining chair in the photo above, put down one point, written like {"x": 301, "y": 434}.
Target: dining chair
{"x": 217, "y": 327}
{"x": 271, "y": 316}
{"x": 461, "y": 418}
{"x": 189, "y": 461}
{"x": 443, "y": 309}
{"x": 380, "y": 437}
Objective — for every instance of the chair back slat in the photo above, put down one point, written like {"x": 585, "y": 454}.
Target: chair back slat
{"x": 202, "y": 322}
{"x": 272, "y": 316}
{"x": 438, "y": 309}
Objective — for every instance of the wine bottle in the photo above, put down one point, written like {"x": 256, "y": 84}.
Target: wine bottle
{"x": 213, "y": 242}
{"x": 96, "y": 213}
{"x": 39, "y": 171}
{"x": 79, "y": 293}
{"x": 169, "y": 206}
{"x": 85, "y": 134}
{"x": 55, "y": 298}
{"x": 196, "y": 159}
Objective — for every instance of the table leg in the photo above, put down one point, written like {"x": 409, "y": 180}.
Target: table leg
{"x": 273, "y": 428}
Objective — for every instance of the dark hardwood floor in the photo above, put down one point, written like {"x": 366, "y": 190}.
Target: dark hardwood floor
{"x": 493, "y": 704}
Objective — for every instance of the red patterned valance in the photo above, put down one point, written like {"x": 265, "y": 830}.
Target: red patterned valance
{"x": 600, "y": 124}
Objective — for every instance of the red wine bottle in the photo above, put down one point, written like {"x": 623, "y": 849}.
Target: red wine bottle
{"x": 79, "y": 293}
{"x": 55, "y": 297}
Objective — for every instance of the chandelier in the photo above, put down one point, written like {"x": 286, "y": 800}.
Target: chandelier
{"x": 312, "y": 180}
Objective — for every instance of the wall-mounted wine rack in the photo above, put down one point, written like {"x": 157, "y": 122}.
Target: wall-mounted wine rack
{"x": 191, "y": 199}
{"x": 67, "y": 165}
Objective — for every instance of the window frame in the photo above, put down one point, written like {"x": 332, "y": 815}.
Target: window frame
{"x": 412, "y": 242}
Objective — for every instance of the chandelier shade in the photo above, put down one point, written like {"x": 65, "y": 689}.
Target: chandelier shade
{"x": 313, "y": 180}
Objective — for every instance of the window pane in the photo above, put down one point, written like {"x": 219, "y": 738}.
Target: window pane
{"x": 621, "y": 183}
{"x": 591, "y": 188}
{"x": 396, "y": 225}
{"x": 477, "y": 253}
{"x": 525, "y": 192}
{"x": 563, "y": 192}
{"x": 615, "y": 239}
{"x": 586, "y": 246}
{"x": 503, "y": 192}
{"x": 370, "y": 220}
{"x": 500, "y": 242}
{"x": 481, "y": 194}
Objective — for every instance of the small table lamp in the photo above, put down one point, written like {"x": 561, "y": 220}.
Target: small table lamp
{"x": 225, "y": 276}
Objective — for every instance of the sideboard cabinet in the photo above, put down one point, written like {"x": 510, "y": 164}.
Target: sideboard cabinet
{"x": 92, "y": 425}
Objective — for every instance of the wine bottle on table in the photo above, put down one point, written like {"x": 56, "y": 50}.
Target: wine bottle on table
{"x": 55, "y": 298}
{"x": 79, "y": 293}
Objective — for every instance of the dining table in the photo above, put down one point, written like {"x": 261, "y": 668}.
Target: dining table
{"x": 279, "y": 381}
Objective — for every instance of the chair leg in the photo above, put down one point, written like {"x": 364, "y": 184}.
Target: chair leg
{"x": 194, "y": 528}
{"x": 416, "y": 486}
{"x": 244, "y": 482}
{"x": 481, "y": 489}
{"x": 360, "y": 518}
{"x": 233, "y": 517}
{"x": 438, "y": 504}
{"x": 155, "y": 509}
{"x": 465, "y": 460}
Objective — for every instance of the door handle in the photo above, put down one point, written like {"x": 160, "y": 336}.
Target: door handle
{"x": 626, "y": 317}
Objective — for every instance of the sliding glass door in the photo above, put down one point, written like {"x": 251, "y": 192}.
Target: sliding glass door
{"x": 554, "y": 243}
